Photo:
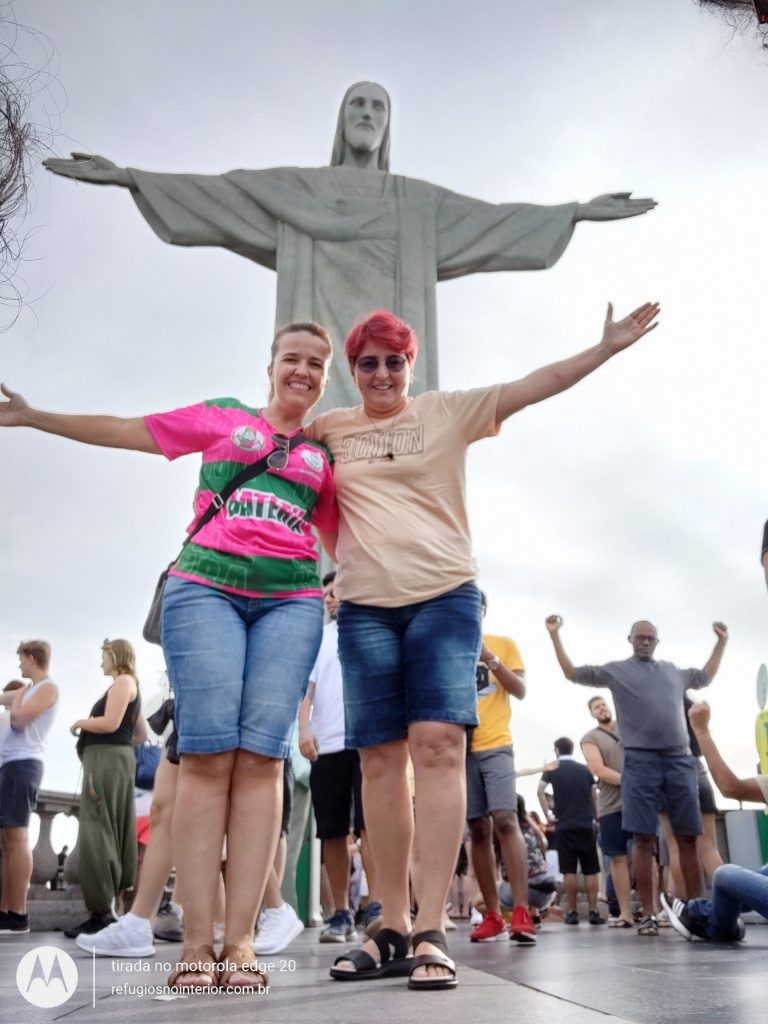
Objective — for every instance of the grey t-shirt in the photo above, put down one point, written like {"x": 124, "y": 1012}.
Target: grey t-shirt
{"x": 649, "y": 700}
{"x": 609, "y": 745}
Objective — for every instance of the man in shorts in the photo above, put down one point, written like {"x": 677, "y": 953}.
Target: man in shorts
{"x": 32, "y": 711}
{"x": 604, "y": 755}
{"x": 658, "y": 764}
{"x": 733, "y": 888}
{"x": 573, "y": 786}
{"x": 491, "y": 797}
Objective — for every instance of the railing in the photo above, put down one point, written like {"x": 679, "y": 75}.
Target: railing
{"x": 45, "y": 861}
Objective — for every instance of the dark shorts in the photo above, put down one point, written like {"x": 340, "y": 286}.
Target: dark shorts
{"x": 19, "y": 783}
{"x": 577, "y": 846}
{"x": 335, "y": 782}
{"x": 490, "y": 782}
{"x": 653, "y": 781}
{"x": 707, "y": 802}
{"x": 613, "y": 838}
{"x": 414, "y": 663}
{"x": 288, "y": 780}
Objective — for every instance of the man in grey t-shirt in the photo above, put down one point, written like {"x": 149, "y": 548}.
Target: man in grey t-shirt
{"x": 648, "y": 695}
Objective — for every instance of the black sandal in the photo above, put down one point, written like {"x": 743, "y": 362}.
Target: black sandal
{"x": 441, "y": 959}
{"x": 394, "y": 961}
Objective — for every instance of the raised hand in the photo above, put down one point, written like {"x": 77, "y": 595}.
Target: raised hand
{"x": 13, "y": 412}
{"x": 721, "y": 630}
{"x": 699, "y": 715}
{"x": 620, "y": 334}
{"x": 553, "y": 623}
{"x": 88, "y": 167}
{"x": 613, "y": 206}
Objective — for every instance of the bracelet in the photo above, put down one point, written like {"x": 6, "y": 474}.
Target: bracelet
{"x": 494, "y": 663}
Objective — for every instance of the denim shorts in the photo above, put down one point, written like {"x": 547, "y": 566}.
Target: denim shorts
{"x": 19, "y": 783}
{"x": 652, "y": 781}
{"x": 238, "y": 666}
{"x": 614, "y": 840}
{"x": 415, "y": 663}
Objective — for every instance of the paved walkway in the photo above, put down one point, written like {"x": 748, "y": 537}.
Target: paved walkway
{"x": 583, "y": 975}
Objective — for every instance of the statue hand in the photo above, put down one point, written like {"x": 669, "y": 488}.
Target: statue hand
{"x": 13, "y": 412}
{"x": 618, "y": 335}
{"x": 613, "y": 206}
{"x": 84, "y": 167}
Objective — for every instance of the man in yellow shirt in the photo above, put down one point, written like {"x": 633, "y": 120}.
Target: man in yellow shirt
{"x": 491, "y": 797}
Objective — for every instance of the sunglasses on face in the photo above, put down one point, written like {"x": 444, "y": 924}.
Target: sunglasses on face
{"x": 370, "y": 364}
{"x": 278, "y": 459}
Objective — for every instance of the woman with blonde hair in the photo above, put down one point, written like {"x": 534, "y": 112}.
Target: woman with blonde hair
{"x": 107, "y": 841}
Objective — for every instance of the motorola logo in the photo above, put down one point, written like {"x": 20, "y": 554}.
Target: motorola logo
{"x": 46, "y": 977}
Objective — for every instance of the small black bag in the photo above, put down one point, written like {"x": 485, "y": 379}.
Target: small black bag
{"x": 152, "y": 625}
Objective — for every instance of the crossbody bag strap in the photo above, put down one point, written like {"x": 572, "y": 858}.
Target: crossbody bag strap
{"x": 219, "y": 500}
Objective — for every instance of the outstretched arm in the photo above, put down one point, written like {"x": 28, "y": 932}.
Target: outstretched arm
{"x": 551, "y": 380}
{"x": 713, "y": 664}
{"x": 96, "y": 170}
{"x": 727, "y": 782}
{"x": 104, "y": 431}
{"x": 613, "y": 206}
{"x": 553, "y": 624}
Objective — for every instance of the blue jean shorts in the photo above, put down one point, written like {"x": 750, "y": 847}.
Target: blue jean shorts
{"x": 238, "y": 666}
{"x": 652, "y": 780}
{"x": 19, "y": 784}
{"x": 415, "y": 663}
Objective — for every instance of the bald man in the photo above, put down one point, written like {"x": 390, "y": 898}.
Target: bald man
{"x": 658, "y": 763}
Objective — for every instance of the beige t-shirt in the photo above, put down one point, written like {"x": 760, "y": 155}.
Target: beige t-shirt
{"x": 404, "y": 534}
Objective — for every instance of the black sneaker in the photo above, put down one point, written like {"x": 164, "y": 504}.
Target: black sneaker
{"x": 93, "y": 924}
{"x": 572, "y": 917}
{"x": 680, "y": 919}
{"x": 14, "y": 924}
{"x": 594, "y": 918}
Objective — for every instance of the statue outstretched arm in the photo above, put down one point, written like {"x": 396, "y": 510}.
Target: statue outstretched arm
{"x": 613, "y": 206}
{"x": 96, "y": 170}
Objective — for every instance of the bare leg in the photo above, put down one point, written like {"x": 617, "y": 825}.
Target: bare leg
{"x": 158, "y": 859}
{"x": 621, "y": 883}
{"x": 591, "y": 883}
{"x": 689, "y": 866}
{"x": 676, "y": 882}
{"x": 17, "y": 869}
{"x": 389, "y": 823}
{"x": 642, "y": 862}
{"x": 272, "y": 895}
{"x": 571, "y": 891}
{"x": 515, "y": 854}
{"x": 483, "y": 861}
{"x": 368, "y": 865}
{"x": 337, "y": 863}
{"x": 706, "y": 846}
{"x": 438, "y": 751}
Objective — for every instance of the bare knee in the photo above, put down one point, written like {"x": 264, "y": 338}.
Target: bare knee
{"x": 257, "y": 766}
{"x": 437, "y": 745}
{"x": 480, "y": 831}
{"x": 384, "y": 761}
{"x": 209, "y": 767}
{"x": 506, "y": 823}
{"x": 687, "y": 841}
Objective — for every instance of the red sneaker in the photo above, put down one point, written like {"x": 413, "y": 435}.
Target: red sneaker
{"x": 521, "y": 926}
{"x": 489, "y": 928}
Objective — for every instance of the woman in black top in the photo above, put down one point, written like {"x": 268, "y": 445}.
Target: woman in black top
{"x": 107, "y": 840}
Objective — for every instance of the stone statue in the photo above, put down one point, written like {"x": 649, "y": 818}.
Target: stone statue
{"x": 352, "y": 237}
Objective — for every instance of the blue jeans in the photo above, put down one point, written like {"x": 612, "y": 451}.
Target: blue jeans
{"x": 415, "y": 663}
{"x": 239, "y": 666}
{"x": 734, "y": 889}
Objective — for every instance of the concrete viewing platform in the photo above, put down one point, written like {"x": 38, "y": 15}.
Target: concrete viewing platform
{"x": 574, "y": 975}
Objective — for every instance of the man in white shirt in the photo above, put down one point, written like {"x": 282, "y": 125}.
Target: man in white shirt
{"x": 32, "y": 711}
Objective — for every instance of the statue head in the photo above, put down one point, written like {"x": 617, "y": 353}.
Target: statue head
{"x": 363, "y": 123}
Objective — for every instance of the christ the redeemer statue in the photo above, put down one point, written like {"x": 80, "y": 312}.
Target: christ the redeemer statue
{"x": 352, "y": 237}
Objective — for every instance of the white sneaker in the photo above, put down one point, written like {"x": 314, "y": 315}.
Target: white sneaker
{"x": 128, "y": 936}
{"x": 278, "y": 927}
{"x": 475, "y": 917}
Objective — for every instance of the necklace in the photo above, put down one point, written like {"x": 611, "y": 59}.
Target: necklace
{"x": 386, "y": 433}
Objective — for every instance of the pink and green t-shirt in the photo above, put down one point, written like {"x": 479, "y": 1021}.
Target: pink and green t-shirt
{"x": 261, "y": 544}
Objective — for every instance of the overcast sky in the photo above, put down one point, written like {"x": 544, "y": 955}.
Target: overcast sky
{"x": 638, "y": 494}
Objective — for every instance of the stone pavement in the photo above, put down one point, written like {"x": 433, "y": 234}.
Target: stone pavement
{"x": 583, "y": 975}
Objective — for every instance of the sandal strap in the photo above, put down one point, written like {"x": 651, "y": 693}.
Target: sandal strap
{"x": 363, "y": 961}
{"x": 429, "y": 960}
{"x": 434, "y": 937}
{"x": 391, "y": 945}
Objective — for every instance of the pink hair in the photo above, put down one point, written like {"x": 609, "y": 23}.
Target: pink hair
{"x": 386, "y": 329}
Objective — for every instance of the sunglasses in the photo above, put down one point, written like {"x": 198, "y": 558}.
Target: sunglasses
{"x": 278, "y": 459}
{"x": 370, "y": 364}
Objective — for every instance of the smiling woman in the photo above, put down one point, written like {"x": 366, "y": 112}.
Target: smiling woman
{"x": 242, "y": 607}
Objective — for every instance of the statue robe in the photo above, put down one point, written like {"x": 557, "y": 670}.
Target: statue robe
{"x": 345, "y": 241}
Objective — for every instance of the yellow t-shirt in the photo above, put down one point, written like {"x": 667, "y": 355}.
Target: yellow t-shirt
{"x": 493, "y": 705}
{"x": 403, "y": 532}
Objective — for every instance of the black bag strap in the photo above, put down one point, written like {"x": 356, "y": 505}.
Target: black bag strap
{"x": 219, "y": 500}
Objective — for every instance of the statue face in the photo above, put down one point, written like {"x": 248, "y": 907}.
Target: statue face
{"x": 366, "y": 113}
